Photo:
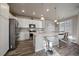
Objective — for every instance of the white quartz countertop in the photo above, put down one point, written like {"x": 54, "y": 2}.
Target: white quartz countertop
{"x": 45, "y": 33}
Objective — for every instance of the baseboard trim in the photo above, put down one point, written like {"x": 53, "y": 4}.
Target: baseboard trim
{"x": 6, "y": 52}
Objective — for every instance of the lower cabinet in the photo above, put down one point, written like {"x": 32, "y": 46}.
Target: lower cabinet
{"x": 39, "y": 42}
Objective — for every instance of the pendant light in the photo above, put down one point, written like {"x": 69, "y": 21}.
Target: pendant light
{"x": 56, "y": 21}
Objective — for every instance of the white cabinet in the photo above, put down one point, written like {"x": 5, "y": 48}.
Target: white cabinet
{"x": 20, "y": 22}
{"x": 38, "y": 23}
{"x": 24, "y": 23}
{"x": 39, "y": 40}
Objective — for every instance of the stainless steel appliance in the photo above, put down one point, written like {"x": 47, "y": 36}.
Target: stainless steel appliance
{"x": 12, "y": 33}
{"x": 32, "y": 28}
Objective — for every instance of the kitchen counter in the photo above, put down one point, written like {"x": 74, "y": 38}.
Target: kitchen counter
{"x": 45, "y": 33}
{"x": 41, "y": 37}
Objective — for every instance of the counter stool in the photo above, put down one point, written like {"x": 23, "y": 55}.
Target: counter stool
{"x": 50, "y": 42}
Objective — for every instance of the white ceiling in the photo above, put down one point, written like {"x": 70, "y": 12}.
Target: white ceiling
{"x": 62, "y": 9}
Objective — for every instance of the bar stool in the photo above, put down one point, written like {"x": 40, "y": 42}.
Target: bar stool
{"x": 50, "y": 42}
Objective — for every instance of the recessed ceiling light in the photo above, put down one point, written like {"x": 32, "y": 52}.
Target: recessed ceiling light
{"x": 23, "y": 11}
{"x": 55, "y": 20}
{"x": 34, "y": 13}
{"x": 42, "y": 18}
{"x": 47, "y": 10}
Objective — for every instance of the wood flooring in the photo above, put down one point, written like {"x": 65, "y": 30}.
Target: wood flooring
{"x": 25, "y": 48}
{"x": 22, "y": 48}
{"x": 71, "y": 50}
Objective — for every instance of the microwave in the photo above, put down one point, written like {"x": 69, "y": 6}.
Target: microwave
{"x": 32, "y": 26}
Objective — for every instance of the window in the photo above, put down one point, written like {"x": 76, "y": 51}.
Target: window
{"x": 66, "y": 26}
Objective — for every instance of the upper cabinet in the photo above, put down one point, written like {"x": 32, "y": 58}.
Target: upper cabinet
{"x": 4, "y": 10}
{"x": 24, "y": 23}
{"x": 38, "y": 23}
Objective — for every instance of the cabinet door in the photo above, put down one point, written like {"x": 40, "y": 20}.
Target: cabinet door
{"x": 37, "y": 23}
{"x": 24, "y": 23}
{"x": 39, "y": 43}
{"x": 21, "y": 22}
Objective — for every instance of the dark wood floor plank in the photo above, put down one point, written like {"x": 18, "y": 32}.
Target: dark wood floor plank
{"x": 25, "y": 48}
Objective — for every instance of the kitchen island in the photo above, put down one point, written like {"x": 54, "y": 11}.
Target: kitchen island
{"x": 40, "y": 39}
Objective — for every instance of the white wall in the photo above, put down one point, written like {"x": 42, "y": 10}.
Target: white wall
{"x": 77, "y": 30}
{"x": 4, "y": 28}
{"x": 74, "y": 28}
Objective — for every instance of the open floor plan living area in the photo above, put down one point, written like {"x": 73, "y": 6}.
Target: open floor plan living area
{"x": 39, "y": 29}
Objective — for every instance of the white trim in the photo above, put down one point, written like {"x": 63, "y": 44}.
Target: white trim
{"x": 3, "y": 52}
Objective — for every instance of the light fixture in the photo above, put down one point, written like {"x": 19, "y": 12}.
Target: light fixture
{"x": 42, "y": 18}
{"x": 55, "y": 15}
{"x": 55, "y": 20}
{"x": 34, "y": 13}
{"x": 23, "y": 11}
{"x": 47, "y": 10}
